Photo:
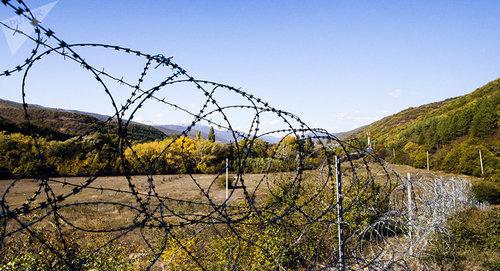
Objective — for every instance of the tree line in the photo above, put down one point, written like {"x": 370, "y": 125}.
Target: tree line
{"x": 98, "y": 154}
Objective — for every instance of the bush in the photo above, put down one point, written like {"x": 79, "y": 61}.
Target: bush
{"x": 471, "y": 241}
{"x": 281, "y": 238}
{"x": 28, "y": 255}
{"x": 220, "y": 181}
{"x": 488, "y": 190}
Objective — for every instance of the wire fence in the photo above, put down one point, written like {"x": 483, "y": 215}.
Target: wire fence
{"x": 336, "y": 207}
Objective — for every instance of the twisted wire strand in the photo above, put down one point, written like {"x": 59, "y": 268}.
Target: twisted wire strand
{"x": 301, "y": 199}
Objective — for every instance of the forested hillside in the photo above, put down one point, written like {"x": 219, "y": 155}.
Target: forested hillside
{"x": 63, "y": 124}
{"x": 452, "y": 131}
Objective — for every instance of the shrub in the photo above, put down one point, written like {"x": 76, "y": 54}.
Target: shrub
{"x": 488, "y": 190}
{"x": 291, "y": 241}
{"x": 471, "y": 241}
{"x": 220, "y": 181}
{"x": 30, "y": 256}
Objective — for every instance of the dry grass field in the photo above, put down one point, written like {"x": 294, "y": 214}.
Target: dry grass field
{"x": 171, "y": 188}
{"x": 116, "y": 188}
{"x": 106, "y": 208}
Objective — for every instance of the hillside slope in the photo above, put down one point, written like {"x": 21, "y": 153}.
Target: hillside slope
{"x": 62, "y": 124}
{"x": 452, "y": 131}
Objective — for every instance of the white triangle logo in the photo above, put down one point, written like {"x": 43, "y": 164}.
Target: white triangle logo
{"x": 22, "y": 24}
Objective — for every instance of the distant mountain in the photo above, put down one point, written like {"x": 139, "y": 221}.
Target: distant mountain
{"x": 349, "y": 134}
{"x": 452, "y": 131}
{"x": 63, "y": 124}
{"x": 221, "y": 136}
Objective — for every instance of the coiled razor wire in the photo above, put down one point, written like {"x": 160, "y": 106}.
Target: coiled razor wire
{"x": 297, "y": 207}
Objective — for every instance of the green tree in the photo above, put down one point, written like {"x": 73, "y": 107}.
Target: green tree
{"x": 198, "y": 135}
{"x": 484, "y": 121}
{"x": 211, "y": 135}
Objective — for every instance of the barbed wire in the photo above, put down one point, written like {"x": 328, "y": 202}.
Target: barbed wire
{"x": 295, "y": 208}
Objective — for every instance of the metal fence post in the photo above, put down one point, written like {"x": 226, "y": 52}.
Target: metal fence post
{"x": 410, "y": 214}
{"x": 340, "y": 218}
{"x": 453, "y": 194}
{"x": 227, "y": 179}
{"x": 428, "y": 166}
{"x": 481, "y": 161}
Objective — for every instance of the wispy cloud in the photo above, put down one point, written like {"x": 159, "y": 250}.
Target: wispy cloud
{"x": 395, "y": 93}
{"x": 354, "y": 116}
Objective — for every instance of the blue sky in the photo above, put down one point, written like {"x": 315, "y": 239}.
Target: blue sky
{"x": 336, "y": 64}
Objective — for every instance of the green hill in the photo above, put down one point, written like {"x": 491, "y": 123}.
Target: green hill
{"x": 452, "y": 131}
{"x": 62, "y": 124}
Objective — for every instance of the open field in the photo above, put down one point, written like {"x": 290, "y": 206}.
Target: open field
{"x": 179, "y": 187}
{"x": 106, "y": 208}
{"x": 197, "y": 188}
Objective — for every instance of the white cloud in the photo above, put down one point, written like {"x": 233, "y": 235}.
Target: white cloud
{"x": 354, "y": 116}
{"x": 139, "y": 118}
{"x": 395, "y": 93}
{"x": 329, "y": 128}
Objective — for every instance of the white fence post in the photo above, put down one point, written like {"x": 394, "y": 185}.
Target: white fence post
{"x": 410, "y": 214}
{"x": 340, "y": 218}
{"x": 481, "y": 161}
{"x": 428, "y": 166}
{"x": 453, "y": 194}
{"x": 227, "y": 179}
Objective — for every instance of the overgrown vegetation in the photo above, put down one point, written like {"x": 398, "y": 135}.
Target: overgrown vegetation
{"x": 292, "y": 242}
{"x": 471, "y": 242}
{"x": 81, "y": 254}
{"x": 488, "y": 190}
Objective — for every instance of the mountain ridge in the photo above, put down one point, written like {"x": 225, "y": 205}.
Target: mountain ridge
{"x": 61, "y": 124}
{"x": 58, "y": 123}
